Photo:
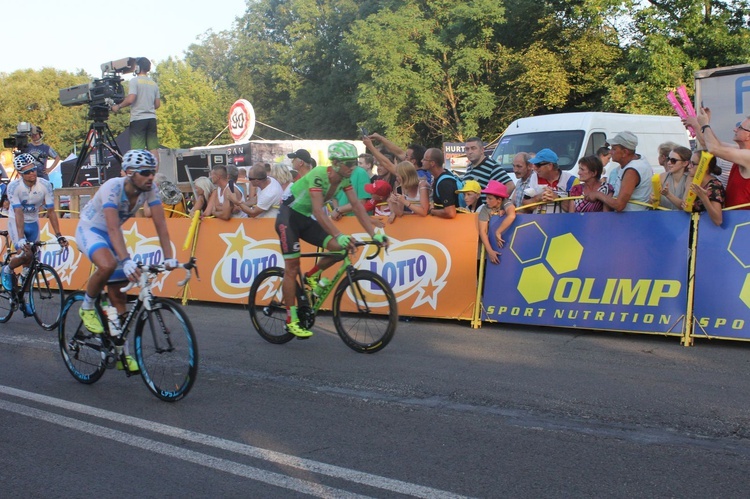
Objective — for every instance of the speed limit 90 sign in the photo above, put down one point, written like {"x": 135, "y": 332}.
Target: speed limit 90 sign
{"x": 241, "y": 120}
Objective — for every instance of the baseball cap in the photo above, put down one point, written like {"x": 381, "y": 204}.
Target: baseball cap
{"x": 380, "y": 188}
{"x": 302, "y": 154}
{"x": 471, "y": 186}
{"x": 628, "y": 140}
{"x": 544, "y": 156}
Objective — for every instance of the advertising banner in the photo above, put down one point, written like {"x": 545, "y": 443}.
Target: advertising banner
{"x": 722, "y": 277}
{"x": 429, "y": 273}
{"x": 611, "y": 271}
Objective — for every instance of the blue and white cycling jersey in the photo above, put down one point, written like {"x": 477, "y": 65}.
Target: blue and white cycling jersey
{"x": 30, "y": 199}
{"x": 112, "y": 195}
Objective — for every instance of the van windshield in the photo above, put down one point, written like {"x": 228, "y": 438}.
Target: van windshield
{"x": 566, "y": 144}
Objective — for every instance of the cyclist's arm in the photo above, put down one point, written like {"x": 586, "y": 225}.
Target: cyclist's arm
{"x": 18, "y": 213}
{"x": 359, "y": 211}
{"x": 160, "y": 222}
{"x": 316, "y": 198}
{"x": 115, "y": 233}
{"x": 54, "y": 221}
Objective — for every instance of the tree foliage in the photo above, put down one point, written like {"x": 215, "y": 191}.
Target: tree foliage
{"x": 417, "y": 70}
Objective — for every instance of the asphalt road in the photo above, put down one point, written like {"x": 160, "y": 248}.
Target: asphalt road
{"x": 443, "y": 411}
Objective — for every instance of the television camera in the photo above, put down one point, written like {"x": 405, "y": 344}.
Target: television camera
{"x": 100, "y": 95}
{"x": 19, "y": 140}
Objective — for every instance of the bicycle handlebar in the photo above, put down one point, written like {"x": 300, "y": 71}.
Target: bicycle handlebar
{"x": 156, "y": 269}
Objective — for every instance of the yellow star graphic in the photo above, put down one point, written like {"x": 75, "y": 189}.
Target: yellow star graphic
{"x": 132, "y": 238}
{"x": 237, "y": 241}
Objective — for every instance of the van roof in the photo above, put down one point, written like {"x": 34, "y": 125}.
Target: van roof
{"x": 608, "y": 122}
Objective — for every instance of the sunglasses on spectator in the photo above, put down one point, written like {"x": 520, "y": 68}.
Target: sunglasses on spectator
{"x": 146, "y": 172}
{"x": 739, "y": 125}
{"x": 257, "y": 178}
{"x": 672, "y": 161}
{"x": 545, "y": 163}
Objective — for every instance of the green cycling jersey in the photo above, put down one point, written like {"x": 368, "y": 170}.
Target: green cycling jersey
{"x": 315, "y": 180}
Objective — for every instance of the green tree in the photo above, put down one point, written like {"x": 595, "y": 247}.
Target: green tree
{"x": 194, "y": 107}
{"x": 428, "y": 67}
{"x": 32, "y": 96}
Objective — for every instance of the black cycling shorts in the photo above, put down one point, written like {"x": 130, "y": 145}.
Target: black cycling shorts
{"x": 292, "y": 226}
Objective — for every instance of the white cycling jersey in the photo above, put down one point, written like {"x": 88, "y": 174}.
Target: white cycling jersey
{"x": 30, "y": 199}
{"x": 112, "y": 195}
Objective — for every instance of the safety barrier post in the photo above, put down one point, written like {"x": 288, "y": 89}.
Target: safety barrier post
{"x": 689, "y": 324}
{"x": 476, "y": 320}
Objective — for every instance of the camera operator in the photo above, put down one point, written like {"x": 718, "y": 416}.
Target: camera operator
{"x": 143, "y": 97}
{"x": 41, "y": 153}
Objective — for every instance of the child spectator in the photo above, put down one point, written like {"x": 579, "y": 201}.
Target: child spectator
{"x": 499, "y": 205}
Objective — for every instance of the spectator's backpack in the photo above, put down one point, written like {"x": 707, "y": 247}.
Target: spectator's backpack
{"x": 459, "y": 186}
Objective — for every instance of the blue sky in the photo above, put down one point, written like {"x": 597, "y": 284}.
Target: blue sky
{"x": 82, "y": 34}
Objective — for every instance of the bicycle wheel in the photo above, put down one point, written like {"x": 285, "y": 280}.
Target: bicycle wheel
{"x": 6, "y": 305}
{"x": 46, "y": 291}
{"x": 81, "y": 350}
{"x": 266, "y": 303}
{"x": 365, "y": 312}
{"x": 166, "y": 350}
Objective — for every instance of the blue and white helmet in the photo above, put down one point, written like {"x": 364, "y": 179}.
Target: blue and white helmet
{"x": 22, "y": 161}
{"x": 138, "y": 158}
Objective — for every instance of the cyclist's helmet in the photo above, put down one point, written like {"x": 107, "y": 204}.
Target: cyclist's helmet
{"x": 22, "y": 161}
{"x": 137, "y": 159}
{"x": 342, "y": 151}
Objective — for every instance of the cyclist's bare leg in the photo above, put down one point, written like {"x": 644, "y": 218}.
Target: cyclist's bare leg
{"x": 289, "y": 284}
{"x": 20, "y": 259}
{"x": 117, "y": 298}
{"x": 106, "y": 263}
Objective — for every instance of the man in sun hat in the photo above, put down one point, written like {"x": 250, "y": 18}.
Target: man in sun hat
{"x": 553, "y": 183}
{"x": 632, "y": 181}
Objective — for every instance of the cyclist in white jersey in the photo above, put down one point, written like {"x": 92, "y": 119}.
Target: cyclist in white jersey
{"x": 99, "y": 234}
{"x": 27, "y": 195}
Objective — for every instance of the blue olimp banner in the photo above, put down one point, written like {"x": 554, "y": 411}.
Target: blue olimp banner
{"x": 722, "y": 276}
{"x": 613, "y": 271}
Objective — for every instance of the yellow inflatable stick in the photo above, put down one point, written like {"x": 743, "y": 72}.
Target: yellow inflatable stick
{"x": 656, "y": 183}
{"x": 191, "y": 231}
{"x": 700, "y": 173}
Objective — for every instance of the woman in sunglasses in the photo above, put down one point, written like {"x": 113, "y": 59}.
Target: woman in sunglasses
{"x": 674, "y": 180}
{"x": 99, "y": 233}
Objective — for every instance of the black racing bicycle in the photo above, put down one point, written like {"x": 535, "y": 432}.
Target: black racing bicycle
{"x": 39, "y": 292}
{"x": 165, "y": 345}
{"x": 365, "y": 311}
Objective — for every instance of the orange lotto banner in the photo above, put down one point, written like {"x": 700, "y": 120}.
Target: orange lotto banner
{"x": 429, "y": 273}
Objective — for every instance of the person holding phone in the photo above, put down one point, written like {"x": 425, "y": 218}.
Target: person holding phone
{"x": 225, "y": 200}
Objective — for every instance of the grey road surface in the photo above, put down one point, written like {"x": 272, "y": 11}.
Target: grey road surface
{"x": 443, "y": 411}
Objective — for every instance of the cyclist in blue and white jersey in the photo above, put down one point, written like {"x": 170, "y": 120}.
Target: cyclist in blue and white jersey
{"x": 99, "y": 233}
{"x": 27, "y": 195}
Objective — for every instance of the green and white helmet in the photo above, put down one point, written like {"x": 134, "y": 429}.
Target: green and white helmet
{"x": 342, "y": 151}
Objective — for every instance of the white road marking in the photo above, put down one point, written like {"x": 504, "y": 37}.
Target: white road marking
{"x": 218, "y": 443}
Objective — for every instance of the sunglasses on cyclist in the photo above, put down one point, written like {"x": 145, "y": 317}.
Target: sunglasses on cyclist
{"x": 146, "y": 172}
{"x": 30, "y": 170}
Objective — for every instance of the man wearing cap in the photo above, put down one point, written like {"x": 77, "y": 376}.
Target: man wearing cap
{"x": 632, "y": 181}
{"x": 302, "y": 162}
{"x": 553, "y": 183}
{"x": 483, "y": 169}
{"x": 41, "y": 153}
{"x": 268, "y": 194}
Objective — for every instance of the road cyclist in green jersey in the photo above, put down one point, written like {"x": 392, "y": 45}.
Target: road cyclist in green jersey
{"x": 302, "y": 216}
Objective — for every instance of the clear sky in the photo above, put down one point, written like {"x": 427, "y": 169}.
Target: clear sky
{"x": 82, "y": 34}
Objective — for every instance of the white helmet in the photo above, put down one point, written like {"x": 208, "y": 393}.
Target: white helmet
{"x": 138, "y": 158}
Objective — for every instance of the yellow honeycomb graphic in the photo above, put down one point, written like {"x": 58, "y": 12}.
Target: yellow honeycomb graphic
{"x": 563, "y": 255}
{"x": 739, "y": 248}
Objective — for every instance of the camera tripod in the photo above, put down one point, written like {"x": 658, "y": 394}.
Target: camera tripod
{"x": 98, "y": 140}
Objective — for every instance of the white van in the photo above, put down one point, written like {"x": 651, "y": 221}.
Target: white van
{"x": 575, "y": 135}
